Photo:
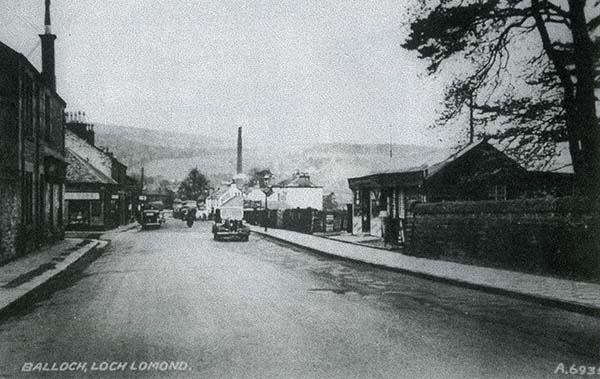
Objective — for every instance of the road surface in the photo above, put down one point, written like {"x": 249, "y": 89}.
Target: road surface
{"x": 174, "y": 303}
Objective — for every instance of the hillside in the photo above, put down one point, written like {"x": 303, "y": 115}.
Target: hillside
{"x": 171, "y": 155}
{"x": 137, "y": 146}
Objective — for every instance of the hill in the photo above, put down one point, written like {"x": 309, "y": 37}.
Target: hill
{"x": 171, "y": 155}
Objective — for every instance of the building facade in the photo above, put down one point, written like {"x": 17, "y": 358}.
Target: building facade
{"x": 475, "y": 173}
{"x": 32, "y": 150}
{"x": 98, "y": 194}
{"x": 221, "y": 196}
{"x": 296, "y": 192}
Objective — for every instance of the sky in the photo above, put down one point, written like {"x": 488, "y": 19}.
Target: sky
{"x": 288, "y": 72}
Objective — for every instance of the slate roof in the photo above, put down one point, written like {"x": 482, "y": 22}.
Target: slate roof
{"x": 80, "y": 170}
{"x": 431, "y": 161}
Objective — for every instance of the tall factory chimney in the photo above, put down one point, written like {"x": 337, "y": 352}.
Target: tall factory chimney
{"x": 240, "y": 168}
{"x": 48, "y": 72}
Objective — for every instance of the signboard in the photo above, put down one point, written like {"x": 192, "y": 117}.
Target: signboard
{"x": 82, "y": 196}
{"x": 329, "y": 223}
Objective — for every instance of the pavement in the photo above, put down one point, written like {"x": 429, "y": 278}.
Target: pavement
{"x": 362, "y": 240}
{"x": 22, "y": 277}
{"x": 570, "y": 295}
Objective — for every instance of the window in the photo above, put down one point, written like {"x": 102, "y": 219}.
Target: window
{"x": 28, "y": 198}
{"x": 27, "y": 107}
{"x": 375, "y": 204}
{"x": 96, "y": 209}
{"x": 497, "y": 192}
{"x": 47, "y": 118}
{"x": 281, "y": 196}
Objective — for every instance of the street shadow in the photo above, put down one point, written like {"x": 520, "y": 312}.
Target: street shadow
{"x": 65, "y": 279}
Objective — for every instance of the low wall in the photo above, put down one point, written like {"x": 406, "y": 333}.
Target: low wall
{"x": 300, "y": 220}
{"x": 548, "y": 236}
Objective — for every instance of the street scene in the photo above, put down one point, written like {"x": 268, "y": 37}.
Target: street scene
{"x": 318, "y": 189}
{"x": 265, "y": 309}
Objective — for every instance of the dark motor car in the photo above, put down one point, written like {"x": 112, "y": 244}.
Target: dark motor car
{"x": 151, "y": 218}
{"x": 231, "y": 230}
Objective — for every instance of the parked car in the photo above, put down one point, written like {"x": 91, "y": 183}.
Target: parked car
{"x": 151, "y": 218}
{"x": 231, "y": 230}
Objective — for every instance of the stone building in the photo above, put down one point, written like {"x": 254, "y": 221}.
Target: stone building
{"x": 32, "y": 163}
{"x": 98, "y": 194}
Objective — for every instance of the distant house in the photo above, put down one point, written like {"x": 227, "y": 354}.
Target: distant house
{"x": 221, "y": 196}
{"x": 254, "y": 198}
{"x": 232, "y": 208}
{"x": 296, "y": 192}
{"x": 477, "y": 172}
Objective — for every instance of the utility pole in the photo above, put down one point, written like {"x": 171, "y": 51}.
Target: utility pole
{"x": 142, "y": 181}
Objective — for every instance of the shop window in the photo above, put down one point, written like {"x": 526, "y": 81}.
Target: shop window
{"x": 96, "y": 209}
{"x": 78, "y": 212}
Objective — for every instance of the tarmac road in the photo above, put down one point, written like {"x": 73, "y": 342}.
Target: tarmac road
{"x": 260, "y": 309}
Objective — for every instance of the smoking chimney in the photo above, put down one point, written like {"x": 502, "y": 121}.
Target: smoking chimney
{"x": 48, "y": 72}
{"x": 239, "y": 151}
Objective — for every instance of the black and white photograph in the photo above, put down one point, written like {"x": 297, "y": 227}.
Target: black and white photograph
{"x": 303, "y": 189}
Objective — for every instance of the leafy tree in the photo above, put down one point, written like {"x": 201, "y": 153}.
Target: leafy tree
{"x": 194, "y": 186}
{"x": 532, "y": 70}
{"x": 330, "y": 202}
{"x": 260, "y": 177}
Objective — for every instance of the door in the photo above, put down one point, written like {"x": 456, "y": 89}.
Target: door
{"x": 365, "y": 211}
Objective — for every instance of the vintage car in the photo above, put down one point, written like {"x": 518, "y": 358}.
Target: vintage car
{"x": 230, "y": 230}
{"x": 151, "y": 218}
{"x": 228, "y": 220}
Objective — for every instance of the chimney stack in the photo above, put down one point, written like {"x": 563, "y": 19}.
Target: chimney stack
{"x": 48, "y": 71}
{"x": 239, "y": 151}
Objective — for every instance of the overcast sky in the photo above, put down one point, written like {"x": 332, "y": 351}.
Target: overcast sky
{"x": 287, "y": 71}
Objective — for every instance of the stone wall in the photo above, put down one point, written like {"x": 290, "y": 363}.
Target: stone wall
{"x": 547, "y": 236}
{"x": 9, "y": 219}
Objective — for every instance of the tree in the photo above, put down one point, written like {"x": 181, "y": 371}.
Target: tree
{"x": 259, "y": 176}
{"x": 551, "y": 49}
{"x": 330, "y": 202}
{"x": 193, "y": 186}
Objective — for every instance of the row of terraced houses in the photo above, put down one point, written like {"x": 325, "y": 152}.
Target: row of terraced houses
{"x": 47, "y": 182}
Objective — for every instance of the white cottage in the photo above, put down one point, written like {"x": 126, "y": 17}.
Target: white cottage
{"x": 221, "y": 196}
{"x": 297, "y": 192}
